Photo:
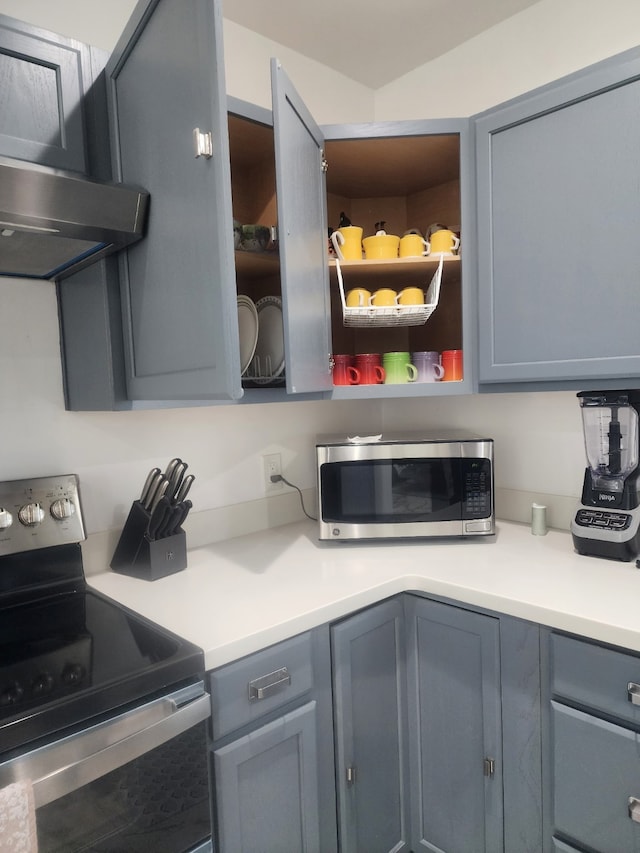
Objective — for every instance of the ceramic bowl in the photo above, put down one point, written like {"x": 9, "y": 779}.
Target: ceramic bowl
{"x": 255, "y": 238}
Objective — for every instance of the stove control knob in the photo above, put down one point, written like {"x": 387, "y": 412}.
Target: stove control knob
{"x": 11, "y": 694}
{"x": 31, "y": 514}
{"x": 42, "y": 684}
{"x": 62, "y": 508}
{"x": 6, "y": 519}
{"x": 72, "y": 674}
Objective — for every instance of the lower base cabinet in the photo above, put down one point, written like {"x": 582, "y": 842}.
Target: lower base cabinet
{"x": 372, "y": 738}
{"x": 455, "y": 728}
{"x": 411, "y": 725}
{"x": 592, "y": 747}
{"x": 268, "y": 787}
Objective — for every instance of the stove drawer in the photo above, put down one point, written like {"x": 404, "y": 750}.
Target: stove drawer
{"x": 596, "y": 781}
{"x": 604, "y": 679}
{"x": 246, "y": 690}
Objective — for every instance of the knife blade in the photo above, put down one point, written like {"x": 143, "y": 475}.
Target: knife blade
{"x": 151, "y": 476}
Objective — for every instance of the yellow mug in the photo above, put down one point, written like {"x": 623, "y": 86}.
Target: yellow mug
{"x": 347, "y": 242}
{"x": 358, "y": 298}
{"x": 413, "y": 246}
{"x": 444, "y": 241}
{"x": 411, "y": 296}
{"x": 384, "y": 296}
{"x": 381, "y": 246}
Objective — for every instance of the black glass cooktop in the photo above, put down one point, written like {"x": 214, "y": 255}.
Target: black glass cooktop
{"x": 68, "y": 654}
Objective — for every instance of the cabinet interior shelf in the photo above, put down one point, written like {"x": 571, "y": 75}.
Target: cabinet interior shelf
{"x": 256, "y": 264}
{"x": 392, "y": 266}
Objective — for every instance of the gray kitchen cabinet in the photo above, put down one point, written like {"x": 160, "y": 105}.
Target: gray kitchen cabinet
{"x": 592, "y": 768}
{"x": 372, "y": 736}
{"x": 166, "y": 93}
{"x": 43, "y": 77}
{"x": 455, "y": 720}
{"x": 407, "y": 174}
{"x": 272, "y": 749}
{"x": 180, "y": 285}
{"x": 437, "y": 722}
{"x": 557, "y": 214}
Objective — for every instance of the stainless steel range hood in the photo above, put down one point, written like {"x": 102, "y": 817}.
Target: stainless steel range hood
{"x": 53, "y": 223}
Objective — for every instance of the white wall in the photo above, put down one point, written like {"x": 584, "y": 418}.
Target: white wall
{"x": 539, "y": 438}
{"x": 537, "y": 46}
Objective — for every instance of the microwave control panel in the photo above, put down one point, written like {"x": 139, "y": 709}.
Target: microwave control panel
{"x": 477, "y": 492}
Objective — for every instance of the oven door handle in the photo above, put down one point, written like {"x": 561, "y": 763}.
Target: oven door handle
{"x": 64, "y": 766}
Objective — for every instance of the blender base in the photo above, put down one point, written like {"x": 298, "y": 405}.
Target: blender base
{"x": 612, "y": 544}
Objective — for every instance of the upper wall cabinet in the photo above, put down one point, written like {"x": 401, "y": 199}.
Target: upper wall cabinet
{"x": 212, "y": 313}
{"x": 558, "y": 216}
{"x": 169, "y": 124}
{"x": 41, "y": 88}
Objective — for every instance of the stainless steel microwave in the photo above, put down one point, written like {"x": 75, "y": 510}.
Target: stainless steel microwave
{"x": 405, "y": 486}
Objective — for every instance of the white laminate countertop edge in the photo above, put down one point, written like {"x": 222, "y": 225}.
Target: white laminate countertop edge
{"x": 241, "y": 595}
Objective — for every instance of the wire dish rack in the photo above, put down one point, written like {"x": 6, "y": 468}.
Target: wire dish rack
{"x": 392, "y": 315}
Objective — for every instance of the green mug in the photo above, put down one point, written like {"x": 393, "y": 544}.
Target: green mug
{"x": 398, "y": 368}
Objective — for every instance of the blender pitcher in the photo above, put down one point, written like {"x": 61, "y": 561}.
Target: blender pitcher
{"x": 610, "y": 424}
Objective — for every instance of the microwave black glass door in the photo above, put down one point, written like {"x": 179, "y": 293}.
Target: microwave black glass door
{"x": 392, "y": 491}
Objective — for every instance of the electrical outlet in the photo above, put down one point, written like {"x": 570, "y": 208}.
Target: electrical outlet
{"x": 272, "y": 465}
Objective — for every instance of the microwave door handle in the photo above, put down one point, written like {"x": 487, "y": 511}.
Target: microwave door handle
{"x": 70, "y": 773}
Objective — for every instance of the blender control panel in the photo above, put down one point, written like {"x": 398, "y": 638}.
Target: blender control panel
{"x": 603, "y": 519}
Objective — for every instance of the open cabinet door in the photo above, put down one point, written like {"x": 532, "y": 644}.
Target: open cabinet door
{"x": 166, "y": 80}
{"x": 302, "y": 232}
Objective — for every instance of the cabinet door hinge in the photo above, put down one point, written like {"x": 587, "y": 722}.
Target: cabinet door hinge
{"x": 351, "y": 775}
{"x": 489, "y": 767}
{"x": 324, "y": 165}
{"x": 203, "y": 143}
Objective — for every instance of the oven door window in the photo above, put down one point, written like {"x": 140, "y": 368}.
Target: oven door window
{"x": 158, "y": 802}
{"x": 391, "y": 491}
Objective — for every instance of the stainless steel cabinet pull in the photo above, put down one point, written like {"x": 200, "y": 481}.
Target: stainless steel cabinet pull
{"x": 633, "y": 693}
{"x": 203, "y": 142}
{"x": 634, "y": 809}
{"x": 267, "y": 685}
{"x": 489, "y": 766}
{"x": 351, "y": 775}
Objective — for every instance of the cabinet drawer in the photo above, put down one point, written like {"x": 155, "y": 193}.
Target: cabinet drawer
{"x": 599, "y": 678}
{"x": 249, "y": 688}
{"x": 596, "y": 769}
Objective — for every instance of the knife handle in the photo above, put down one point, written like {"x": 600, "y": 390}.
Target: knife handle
{"x": 185, "y": 507}
{"x": 158, "y": 517}
{"x": 183, "y": 491}
{"x": 149, "y": 482}
{"x": 175, "y": 480}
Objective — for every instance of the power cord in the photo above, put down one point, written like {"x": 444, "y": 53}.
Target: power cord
{"x": 278, "y": 478}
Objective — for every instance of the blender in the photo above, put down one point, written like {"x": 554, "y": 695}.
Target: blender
{"x": 607, "y": 521}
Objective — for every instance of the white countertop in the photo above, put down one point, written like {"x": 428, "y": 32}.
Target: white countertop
{"x": 241, "y": 595}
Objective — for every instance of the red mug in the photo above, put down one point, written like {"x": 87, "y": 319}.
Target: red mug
{"x": 344, "y": 373}
{"x": 452, "y": 365}
{"x": 370, "y": 367}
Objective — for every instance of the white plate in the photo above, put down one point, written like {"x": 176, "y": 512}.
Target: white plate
{"x": 268, "y": 359}
{"x": 248, "y": 330}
